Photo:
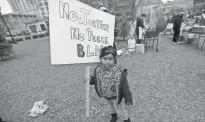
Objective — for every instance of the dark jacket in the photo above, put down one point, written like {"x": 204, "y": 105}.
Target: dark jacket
{"x": 124, "y": 90}
{"x": 140, "y": 22}
{"x": 177, "y": 22}
{"x": 2, "y": 39}
{"x": 115, "y": 35}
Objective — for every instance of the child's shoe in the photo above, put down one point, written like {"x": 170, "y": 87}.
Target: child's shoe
{"x": 114, "y": 117}
{"x": 128, "y": 120}
{"x": 1, "y": 120}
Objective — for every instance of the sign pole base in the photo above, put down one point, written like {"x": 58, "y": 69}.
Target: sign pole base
{"x": 87, "y": 88}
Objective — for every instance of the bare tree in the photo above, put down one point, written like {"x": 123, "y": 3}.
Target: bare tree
{"x": 133, "y": 10}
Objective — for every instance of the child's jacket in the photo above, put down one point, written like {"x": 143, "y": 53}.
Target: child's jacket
{"x": 123, "y": 90}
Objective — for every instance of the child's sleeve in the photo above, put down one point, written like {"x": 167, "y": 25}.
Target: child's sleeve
{"x": 93, "y": 78}
{"x": 125, "y": 89}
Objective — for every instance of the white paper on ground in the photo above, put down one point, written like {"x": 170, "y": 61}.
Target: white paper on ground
{"x": 38, "y": 109}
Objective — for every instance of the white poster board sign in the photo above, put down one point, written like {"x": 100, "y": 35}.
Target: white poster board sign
{"x": 131, "y": 45}
{"x": 78, "y": 32}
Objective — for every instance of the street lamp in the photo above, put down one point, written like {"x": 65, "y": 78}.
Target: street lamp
{"x": 14, "y": 41}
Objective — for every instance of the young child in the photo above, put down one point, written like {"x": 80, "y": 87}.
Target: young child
{"x": 111, "y": 83}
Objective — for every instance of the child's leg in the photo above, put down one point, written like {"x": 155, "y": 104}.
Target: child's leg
{"x": 111, "y": 106}
{"x": 122, "y": 112}
{"x": 113, "y": 110}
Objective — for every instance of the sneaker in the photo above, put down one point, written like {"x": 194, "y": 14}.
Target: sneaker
{"x": 174, "y": 42}
{"x": 128, "y": 120}
{"x": 181, "y": 42}
{"x": 1, "y": 120}
{"x": 114, "y": 117}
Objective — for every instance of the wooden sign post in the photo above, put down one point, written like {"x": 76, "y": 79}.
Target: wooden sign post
{"x": 87, "y": 93}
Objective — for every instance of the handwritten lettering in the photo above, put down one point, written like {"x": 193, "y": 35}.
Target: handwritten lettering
{"x": 97, "y": 50}
{"x": 76, "y": 35}
{"x": 64, "y": 10}
{"x": 85, "y": 17}
{"x": 81, "y": 16}
{"x": 89, "y": 53}
{"x": 91, "y": 50}
{"x": 73, "y": 16}
{"x": 98, "y": 24}
{"x": 80, "y": 50}
{"x": 94, "y": 38}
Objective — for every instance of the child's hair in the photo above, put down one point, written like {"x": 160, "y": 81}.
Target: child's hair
{"x": 143, "y": 15}
{"x": 102, "y": 8}
{"x": 108, "y": 50}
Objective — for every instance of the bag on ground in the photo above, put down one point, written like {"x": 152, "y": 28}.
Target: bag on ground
{"x": 139, "y": 48}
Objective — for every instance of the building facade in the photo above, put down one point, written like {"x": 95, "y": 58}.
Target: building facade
{"x": 198, "y": 5}
{"x": 17, "y": 22}
{"x": 43, "y": 8}
{"x": 22, "y": 6}
{"x": 37, "y": 26}
{"x": 37, "y": 7}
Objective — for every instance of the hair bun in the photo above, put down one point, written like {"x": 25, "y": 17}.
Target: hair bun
{"x": 108, "y": 50}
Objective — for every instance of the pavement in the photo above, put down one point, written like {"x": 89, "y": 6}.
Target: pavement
{"x": 167, "y": 86}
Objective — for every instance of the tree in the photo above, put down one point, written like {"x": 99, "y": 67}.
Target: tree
{"x": 2, "y": 35}
{"x": 123, "y": 26}
{"x": 134, "y": 9}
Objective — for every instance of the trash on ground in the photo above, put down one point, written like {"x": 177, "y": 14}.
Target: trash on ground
{"x": 38, "y": 109}
{"x": 122, "y": 52}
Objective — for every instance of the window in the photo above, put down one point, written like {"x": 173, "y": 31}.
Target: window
{"x": 43, "y": 27}
{"x": 14, "y": 16}
{"x": 46, "y": 3}
{"x": 33, "y": 28}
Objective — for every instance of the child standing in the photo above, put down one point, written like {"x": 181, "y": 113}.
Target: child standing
{"x": 111, "y": 83}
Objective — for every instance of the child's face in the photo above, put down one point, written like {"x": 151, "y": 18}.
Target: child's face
{"x": 108, "y": 60}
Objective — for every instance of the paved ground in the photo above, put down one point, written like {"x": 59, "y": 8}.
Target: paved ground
{"x": 167, "y": 86}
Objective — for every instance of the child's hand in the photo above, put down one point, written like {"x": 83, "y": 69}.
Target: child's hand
{"x": 87, "y": 78}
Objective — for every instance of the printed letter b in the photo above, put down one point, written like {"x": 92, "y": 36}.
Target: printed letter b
{"x": 81, "y": 53}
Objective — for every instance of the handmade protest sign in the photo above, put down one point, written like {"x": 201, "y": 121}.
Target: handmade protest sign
{"x": 78, "y": 32}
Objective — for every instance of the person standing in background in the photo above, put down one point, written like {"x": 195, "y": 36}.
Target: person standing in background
{"x": 177, "y": 21}
{"x": 203, "y": 17}
{"x": 140, "y": 24}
